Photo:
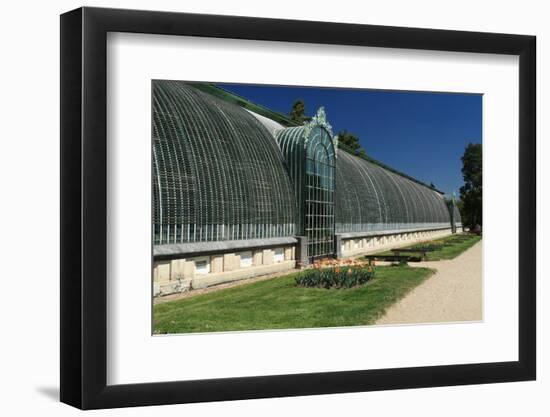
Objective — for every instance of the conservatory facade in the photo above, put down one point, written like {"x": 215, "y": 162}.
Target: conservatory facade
{"x": 240, "y": 191}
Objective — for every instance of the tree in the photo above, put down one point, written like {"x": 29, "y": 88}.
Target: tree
{"x": 298, "y": 112}
{"x": 471, "y": 191}
{"x": 351, "y": 141}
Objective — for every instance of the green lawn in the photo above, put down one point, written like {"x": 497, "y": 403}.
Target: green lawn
{"x": 452, "y": 246}
{"x": 279, "y": 304}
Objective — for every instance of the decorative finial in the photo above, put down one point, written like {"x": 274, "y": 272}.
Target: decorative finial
{"x": 320, "y": 119}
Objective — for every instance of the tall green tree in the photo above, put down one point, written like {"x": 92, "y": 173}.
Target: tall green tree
{"x": 351, "y": 141}
{"x": 298, "y": 112}
{"x": 471, "y": 191}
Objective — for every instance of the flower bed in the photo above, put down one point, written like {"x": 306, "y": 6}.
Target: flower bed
{"x": 335, "y": 274}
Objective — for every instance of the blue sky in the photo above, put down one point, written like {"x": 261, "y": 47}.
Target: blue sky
{"x": 420, "y": 134}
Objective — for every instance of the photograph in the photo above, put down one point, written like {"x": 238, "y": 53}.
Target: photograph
{"x": 300, "y": 207}
{"x": 266, "y": 209}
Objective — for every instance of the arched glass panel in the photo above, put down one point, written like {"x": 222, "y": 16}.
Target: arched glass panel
{"x": 319, "y": 192}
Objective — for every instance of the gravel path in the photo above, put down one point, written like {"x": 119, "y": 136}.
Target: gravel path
{"x": 453, "y": 293}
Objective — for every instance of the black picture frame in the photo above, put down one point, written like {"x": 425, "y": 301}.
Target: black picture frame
{"x": 84, "y": 207}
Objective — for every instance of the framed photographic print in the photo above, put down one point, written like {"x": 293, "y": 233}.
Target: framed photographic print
{"x": 257, "y": 208}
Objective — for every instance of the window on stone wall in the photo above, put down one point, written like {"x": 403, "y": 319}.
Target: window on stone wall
{"x": 246, "y": 259}
{"x": 202, "y": 265}
{"x": 279, "y": 255}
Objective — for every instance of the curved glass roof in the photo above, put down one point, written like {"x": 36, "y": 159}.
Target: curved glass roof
{"x": 217, "y": 172}
{"x": 222, "y": 172}
{"x": 371, "y": 198}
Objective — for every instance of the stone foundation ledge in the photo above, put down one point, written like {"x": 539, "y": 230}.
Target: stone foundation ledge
{"x": 395, "y": 244}
{"x": 172, "y": 287}
{"x": 208, "y": 280}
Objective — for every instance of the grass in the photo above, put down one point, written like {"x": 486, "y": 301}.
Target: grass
{"x": 279, "y": 304}
{"x": 452, "y": 246}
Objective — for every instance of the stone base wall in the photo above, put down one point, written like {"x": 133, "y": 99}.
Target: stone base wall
{"x": 180, "y": 275}
{"x": 366, "y": 245}
{"x": 192, "y": 272}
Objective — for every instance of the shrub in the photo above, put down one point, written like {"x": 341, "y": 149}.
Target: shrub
{"x": 336, "y": 277}
{"x": 427, "y": 247}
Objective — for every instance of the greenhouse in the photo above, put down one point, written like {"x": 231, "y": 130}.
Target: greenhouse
{"x": 240, "y": 191}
